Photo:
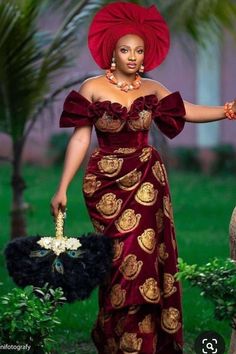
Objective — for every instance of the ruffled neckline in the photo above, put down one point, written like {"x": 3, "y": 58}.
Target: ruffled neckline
{"x": 117, "y": 110}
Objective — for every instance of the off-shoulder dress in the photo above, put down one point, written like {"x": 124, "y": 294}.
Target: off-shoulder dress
{"x": 126, "y": 192}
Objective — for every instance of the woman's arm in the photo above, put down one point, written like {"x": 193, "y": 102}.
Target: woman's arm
{"x": 75, "y": 153}
{"x": 203, "y": 114}
{"x": 196, "y": 113}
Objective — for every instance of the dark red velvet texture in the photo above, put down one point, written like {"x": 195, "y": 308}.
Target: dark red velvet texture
{"x": 167, "y": 113}
{"x": 117, "y": 19}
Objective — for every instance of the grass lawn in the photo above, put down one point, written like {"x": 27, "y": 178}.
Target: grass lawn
{"x": 202, "y": 210}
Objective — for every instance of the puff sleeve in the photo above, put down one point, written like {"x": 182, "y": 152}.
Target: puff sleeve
{"x": 168, "y": 114}
{"x": 75, "y": 111}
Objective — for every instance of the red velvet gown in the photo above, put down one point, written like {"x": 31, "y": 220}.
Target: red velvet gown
{"x": 126, "y": 191}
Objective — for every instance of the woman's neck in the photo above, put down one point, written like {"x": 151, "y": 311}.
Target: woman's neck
{"x": 129, "y": 78}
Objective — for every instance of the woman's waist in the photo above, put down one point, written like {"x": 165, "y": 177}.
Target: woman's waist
{"x": 122, "y": 141}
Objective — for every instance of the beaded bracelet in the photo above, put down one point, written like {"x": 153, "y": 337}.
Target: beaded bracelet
{"x": 229, "y": 112}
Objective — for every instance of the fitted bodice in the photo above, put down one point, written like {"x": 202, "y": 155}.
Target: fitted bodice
{"x": 117, "y": 125}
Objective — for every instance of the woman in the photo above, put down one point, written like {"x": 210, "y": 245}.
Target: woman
{"x": 125, "y": 184}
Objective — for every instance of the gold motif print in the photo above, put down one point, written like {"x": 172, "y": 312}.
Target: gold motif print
{"x": 130, "y": 180}
{"x": 111, "y": 347}
{"x": 117, "y": 296}
{"x": 159, "y": 220}
{"x": 142, "y": 123}
{"x": 118, "y": 248}
{"x": 169, "y": 287}
{"x": 146, "y": 154}
{"x": 164, "y": 171}
{"x": 95, "y": 152}
{"x": 168, "y": 211}
{"x": 128, "y": 221}
{"x": 90, "y": 184}
{"x": 130, "y": 267}
{"x": 98, "y": 227}
{"x": 109, "y": 206}
{"x": 110, "y": 165}
{"x": 163, "y": 255}
{"x": 119, "y": 329}
{"x": 146, "y": 194}
{"x": 170, "y": 320}
{"x": 150, "y": 291}
{"x": 158, "y": 172}
{"x": 133, "y": 309}
{"x": 125, "y": 150}
{"x": 130, "y": 344}
{"x": 147, "y": 240}
{"x": 147, "y": 325}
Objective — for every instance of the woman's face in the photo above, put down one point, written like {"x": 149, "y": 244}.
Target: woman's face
{"x": 129, "y": 53}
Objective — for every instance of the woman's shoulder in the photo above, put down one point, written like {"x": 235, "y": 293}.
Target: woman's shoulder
{"x": 90, "y": 86}
{"x": 153, "y": 85}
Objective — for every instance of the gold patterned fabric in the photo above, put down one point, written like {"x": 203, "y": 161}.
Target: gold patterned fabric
{"x": 127, "y": 195}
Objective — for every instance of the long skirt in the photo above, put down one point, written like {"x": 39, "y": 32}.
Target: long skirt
{"x": 127, "y": 196}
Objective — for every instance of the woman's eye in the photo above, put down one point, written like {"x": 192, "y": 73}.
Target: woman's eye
{"x": 140, "y": 51}
{"x": 123, "y": 50}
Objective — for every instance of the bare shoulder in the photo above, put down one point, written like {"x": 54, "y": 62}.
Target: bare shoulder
{"x": 155, "y": 86}
{"x": 90, "y": 86}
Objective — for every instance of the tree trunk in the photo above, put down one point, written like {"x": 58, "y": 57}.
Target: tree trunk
{"x": 18, "y": 223}
{"x": 232, "y": 234}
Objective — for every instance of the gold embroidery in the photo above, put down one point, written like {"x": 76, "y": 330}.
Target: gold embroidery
{"x": 163, "y": 255}
{"x": 125, "y": 150}
{"x": 119, "y": 329}
{"x": 169, "y": 287}
{"x": 130, "y": 180}
{"x": 168, "y": 211}
{"x": 90, "y": 184}
{"x": 118, "y": 248}
{"x": 130, "y": 267}
{"x": 146, "y": 154}
{"x": 130, "y": 344}
{"x": 109, "y": 206}
{"x": 107, "y": 123}
{"x": 128, "y": 221}
{"x": 95, "y": 152}
{"x": 150, "y": 291}
{"x": 98, "y": 227}
{"x": 133, "y": 309}
{"x": 111, "y": 347}
{"x": 146, "y": 194}
{"x": 142, "y": 123}
{"x": 164, "y": 171}
{"x": 117, "y": 296}
{"x": 147, "y": 325}
{"x": 110, "y": 165}
{"x": 159, "y": 220}
{"x": 147, "y": 240}
{"x": 170, "y": 320}
{"x": 158, "y": 172}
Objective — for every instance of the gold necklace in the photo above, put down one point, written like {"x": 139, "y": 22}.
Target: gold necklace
{"x": 123, "y": 85}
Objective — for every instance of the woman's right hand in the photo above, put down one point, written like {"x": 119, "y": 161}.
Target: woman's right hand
{"x": 58, "y": 201}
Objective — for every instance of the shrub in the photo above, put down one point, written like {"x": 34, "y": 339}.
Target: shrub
{"x": 217, "y": 279}
{"x": 27, "y": 318}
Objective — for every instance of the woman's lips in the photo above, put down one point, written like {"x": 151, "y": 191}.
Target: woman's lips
{"x": 132, "y": 66}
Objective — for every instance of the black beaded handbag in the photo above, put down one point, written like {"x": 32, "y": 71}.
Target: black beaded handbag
{"x": 76, "y": 264}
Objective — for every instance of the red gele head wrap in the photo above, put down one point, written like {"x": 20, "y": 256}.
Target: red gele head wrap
{"x": 120, "y": 18}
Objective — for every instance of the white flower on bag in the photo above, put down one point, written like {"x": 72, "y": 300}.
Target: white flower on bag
{"x": 59, "y": 245}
